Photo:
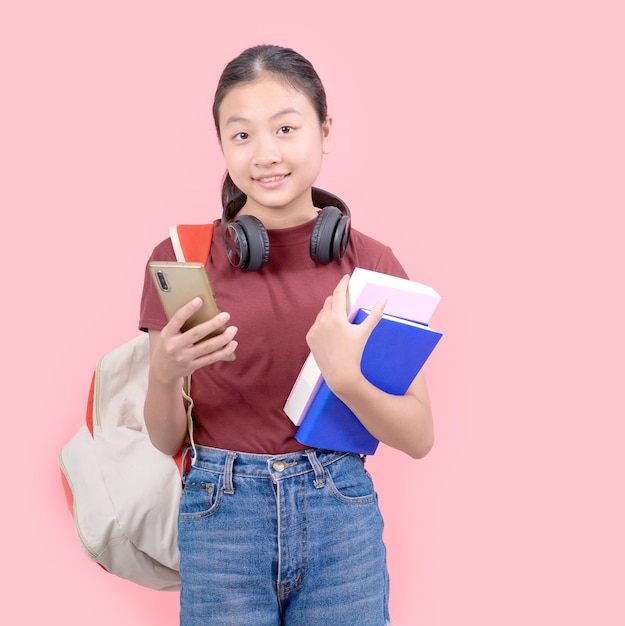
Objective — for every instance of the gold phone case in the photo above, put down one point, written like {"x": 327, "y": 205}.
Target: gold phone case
{"x": 178, "y": 283}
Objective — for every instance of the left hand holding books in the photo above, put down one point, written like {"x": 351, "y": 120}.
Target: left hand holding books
{"x": 387, "y": 396}
{"x": 337, "y": 344}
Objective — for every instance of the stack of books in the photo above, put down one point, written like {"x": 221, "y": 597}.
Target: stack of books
{"x": 395, "y": 352}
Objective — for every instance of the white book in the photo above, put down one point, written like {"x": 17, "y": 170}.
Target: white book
{"x": 406, "y": 298}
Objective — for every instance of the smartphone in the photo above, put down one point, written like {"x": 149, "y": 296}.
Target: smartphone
{"x": 178, "y": 283}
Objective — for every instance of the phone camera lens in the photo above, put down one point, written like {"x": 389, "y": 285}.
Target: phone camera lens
{"x": 162, "y": 281}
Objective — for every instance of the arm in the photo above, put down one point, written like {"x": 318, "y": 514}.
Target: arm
{"x": 402, "y": 422}
{"x": 174, "y": 355}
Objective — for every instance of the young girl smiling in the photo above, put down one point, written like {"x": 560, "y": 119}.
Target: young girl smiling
{"x": 271, "y": 532}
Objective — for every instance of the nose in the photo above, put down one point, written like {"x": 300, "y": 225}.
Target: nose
{"x": 267, "y": 152}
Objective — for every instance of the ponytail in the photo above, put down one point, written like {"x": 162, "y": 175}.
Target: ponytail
{"x": 228, "y": 189}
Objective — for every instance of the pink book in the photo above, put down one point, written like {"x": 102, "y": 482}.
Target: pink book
{"x": 406, "y": 298}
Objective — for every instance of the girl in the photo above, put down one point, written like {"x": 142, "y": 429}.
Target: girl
{"x": 271, "y": 532}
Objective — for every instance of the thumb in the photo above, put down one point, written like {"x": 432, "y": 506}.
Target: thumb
{"x": 371, "y": 321}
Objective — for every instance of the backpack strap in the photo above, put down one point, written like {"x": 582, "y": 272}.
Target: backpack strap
{"x": 192, "y": 242}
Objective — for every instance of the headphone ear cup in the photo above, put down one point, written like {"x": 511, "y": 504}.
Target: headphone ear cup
{"x": 257, "y": 242}
{"x": 252, "y": 240}
{"x": 236, "y": 244}
{"x": 326, "y": 240}
{"x": 341, "y": 237}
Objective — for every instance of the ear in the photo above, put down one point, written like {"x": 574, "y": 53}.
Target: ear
{"x": 326, "y": 127}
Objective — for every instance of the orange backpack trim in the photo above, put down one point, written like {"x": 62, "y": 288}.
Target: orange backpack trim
{"x": 190, "y": 241}
{"x": 89, "y": 416}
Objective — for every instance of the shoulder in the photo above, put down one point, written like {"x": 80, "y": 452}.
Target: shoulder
{"x": 369, "y": 253}
{"x": 163, "y": 251}
{"x": 365, "y": 242}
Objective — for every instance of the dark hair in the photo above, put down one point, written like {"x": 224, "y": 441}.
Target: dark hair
{"x": 284, "y": 64}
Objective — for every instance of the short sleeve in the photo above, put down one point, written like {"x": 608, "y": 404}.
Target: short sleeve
{"x": 151, "y": 315}
{"x": 389, "y": 264}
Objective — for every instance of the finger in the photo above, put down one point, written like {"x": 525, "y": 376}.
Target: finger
{"x": 220, "y": 348}
{"x": 183, "y": 314}
{"x": 371, "y": 321}
{"x": 213, "y": 331}
{"x": 380, "y": 305}
{"x": 339, "y": 295}
{"x": 327, "y": 304}
{"x": 227, "y": 353}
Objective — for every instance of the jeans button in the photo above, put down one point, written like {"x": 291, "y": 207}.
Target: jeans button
{"x": 279, "y": 466}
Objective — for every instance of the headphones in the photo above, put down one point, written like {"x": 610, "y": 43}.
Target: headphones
{"x": 247, "y": 241}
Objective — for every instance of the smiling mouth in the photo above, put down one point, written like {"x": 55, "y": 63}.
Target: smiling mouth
{"x": 272, "y": 179}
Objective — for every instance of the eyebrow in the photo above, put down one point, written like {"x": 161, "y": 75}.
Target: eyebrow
{"x": 233, "y": 119}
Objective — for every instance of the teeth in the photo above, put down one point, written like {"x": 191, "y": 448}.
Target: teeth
{"x": 271, "y": 180}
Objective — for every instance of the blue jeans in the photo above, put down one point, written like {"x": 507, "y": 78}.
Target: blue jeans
{"x": 291, "y": 539}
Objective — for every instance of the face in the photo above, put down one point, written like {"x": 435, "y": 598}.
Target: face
{"x": 273, "y": 144}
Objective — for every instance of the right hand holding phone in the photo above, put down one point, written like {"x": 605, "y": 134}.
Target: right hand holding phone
{"x": 176, "y": 354}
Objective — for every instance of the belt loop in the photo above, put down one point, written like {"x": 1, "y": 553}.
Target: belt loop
{"x": 228, "y": 484}
{"x": 319, "y": 481}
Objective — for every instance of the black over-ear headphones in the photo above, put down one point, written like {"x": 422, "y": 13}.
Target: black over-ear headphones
{"x": 247, "y": 241}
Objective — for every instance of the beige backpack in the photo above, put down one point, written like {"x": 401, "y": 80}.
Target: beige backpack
{"x": 125, "y": 492}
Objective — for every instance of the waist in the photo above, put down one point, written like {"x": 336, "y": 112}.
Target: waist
{"x": 268, "y": 465}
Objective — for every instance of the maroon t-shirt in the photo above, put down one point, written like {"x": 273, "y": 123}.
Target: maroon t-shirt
{"x": 238, "y": 404}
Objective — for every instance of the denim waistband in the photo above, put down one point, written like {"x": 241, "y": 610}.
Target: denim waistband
{"x": 274, "y": 466}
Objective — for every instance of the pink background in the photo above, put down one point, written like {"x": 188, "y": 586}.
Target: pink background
{"x": 483, "y": 140}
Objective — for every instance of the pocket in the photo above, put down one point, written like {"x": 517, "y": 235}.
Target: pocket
{"x": 200, "y": 498}
{"x": 349, "y": 482}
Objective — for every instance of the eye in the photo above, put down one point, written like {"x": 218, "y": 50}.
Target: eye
{"x": 242, "y": 136}
{"x": 285, "y": 130}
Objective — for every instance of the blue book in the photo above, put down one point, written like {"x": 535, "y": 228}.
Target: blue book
{"x": 394, "y": 354}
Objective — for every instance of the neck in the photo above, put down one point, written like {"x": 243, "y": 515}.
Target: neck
{"x": 299, "y": 211}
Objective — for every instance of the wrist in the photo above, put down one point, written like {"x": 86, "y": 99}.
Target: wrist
{"x": 163, "y": 380}
{"x": 345, "y": 381}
